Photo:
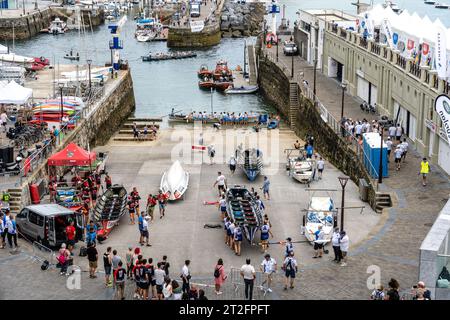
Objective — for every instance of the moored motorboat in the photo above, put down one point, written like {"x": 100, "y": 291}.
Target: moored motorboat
{"x": 206, "y": 83}
{"x": 243, "y": 208}
{"x": 57, "y": 26}
{"x": 71, "y": 56}
{"x": 250, "y": 161}
{"x": 175, "y": 181}
{"x": 111, "y": 206}
{"x": 204, "y": 72}
{"x": 222, "y": 70}
{"x": 241, "y": 90}
{"x": 222, "y": 85}
{"x": 320, "y": 212}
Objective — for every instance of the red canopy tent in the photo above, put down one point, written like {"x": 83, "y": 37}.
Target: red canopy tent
{"x": 72, "y": 155}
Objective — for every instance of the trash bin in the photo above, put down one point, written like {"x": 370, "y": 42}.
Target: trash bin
{"x": 363, "y": 190}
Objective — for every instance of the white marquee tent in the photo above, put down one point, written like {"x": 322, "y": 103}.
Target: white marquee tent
{"x": 13, "y": 93}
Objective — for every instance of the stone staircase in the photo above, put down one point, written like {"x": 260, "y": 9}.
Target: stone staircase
{"x": 15, "y": 203}
{"x": 293, "y": 103}
{"x": 382, "y": 200}
{"x": 126, "y": 132}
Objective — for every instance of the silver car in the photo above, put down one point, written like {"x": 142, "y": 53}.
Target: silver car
{"x": 46, "y": 223}
{"x": 290, "y": 48}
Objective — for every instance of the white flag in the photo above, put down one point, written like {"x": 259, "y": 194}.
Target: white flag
{"x": 442, "y": 106}
{"x": 441, "y": 52}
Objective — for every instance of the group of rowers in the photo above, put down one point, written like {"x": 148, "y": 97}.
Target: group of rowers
{"x": 223, "y": 117}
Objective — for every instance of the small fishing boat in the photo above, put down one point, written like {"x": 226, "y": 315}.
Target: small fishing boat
{"x": 243, "y": 208}
{"x": 174, "y": 182}
{"x": 111, "y": 206}
{"x": 204, "y": 72}
{"x": 241, "y": 90}
{"x": 42, "y": 60}
{"x": 320, "y": 212}
{"x": 145, "y": 37}
{"x": 160, "y": 56}
{"x": 206, "y": 83}
{"x": 441, "y": 6}
{"x": 222, "y": 85}
{"x": 57, "y": 26}
{"x": 250, "y": 160}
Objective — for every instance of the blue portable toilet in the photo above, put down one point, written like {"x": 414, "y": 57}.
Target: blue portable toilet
{"x": 371, "y": 147}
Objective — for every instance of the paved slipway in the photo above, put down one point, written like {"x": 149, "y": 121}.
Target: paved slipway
{"x": 392, "y": 243}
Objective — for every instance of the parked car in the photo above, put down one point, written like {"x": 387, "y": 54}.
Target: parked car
{"x": 46, "y": 223}
{"x": 290, "y": 48}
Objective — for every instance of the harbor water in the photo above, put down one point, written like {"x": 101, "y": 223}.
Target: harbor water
{"x": 161, "y": 86}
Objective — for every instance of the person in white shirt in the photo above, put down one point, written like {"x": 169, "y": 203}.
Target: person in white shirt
{"x": 268, "y": 267}
{"x": 398, "y": 156}
{"x": 358, "y": 129}
{"x": 389, "y": 147}
{"x": 211, "y": 154}
{"x": 248, "y": 273}
{"x": 231, "y": 227}
{"x": 336, "y": 245}
{"x": 232, "y": 164}
{"x": 221, "y": 183}
{"x": 367, "y": 127}
{"x": 404, "y": 145}
{"x": 4, "y": 120}
{"x": 320, "y": 167}
{"x": 186, "y": 276}
{"x": 223, "y": 206}
{"x": 344, "y": 243}
{"x": 392, "y": 131}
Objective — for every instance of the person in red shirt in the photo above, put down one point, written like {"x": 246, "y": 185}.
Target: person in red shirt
{"x": 151, "y": 203}
{"x": 70, "y": 234}
{"x": 162, "y": 200}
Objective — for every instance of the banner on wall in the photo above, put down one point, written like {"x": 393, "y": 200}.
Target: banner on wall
{"x": 441, "y": 53}
{"x": 387, "y": 30}
{"x": 197, "y": 26}
{"x": 442, "y": 107}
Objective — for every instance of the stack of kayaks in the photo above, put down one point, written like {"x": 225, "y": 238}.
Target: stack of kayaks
{"x": 50, "y": 110}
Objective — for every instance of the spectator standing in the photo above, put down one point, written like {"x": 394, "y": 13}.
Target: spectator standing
{"x": 392, "y": 293}
{"x": 378, "y": 293}
{"x": 290, "y": 268}
{"x": 398, "y": 156}
{"x": 344, "y": 244}
{"x": 249, "y": 274}
{"x": 92, "y": 255}
{"x": 160, "y": 274}
{"x": 232, "y": 165}
{"x": 129, "y": 261}
{"x": 221, "y": 183}
{"x": 219, "y": 276}
{"x": 320, "y": 167}
{"x": 392, "y": 130}
{"x": 107, "y": 265}
{"x": 398, "y": 132}
{"x": 389, "y": 147}
{"x": 335, "y": 241}
{"x": 268, "y": 267}
{"x": 119, "y": 279}
{"x": 165, "y": 265}
{"x": 12, "y": 232}
{"x": 265, "y": 188}
{"x": 186, "y": 276}
{"x": 424, "y": 170}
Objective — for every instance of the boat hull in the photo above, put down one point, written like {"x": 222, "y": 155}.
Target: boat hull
{"x": 250, "y": 161}
{"x": 175, "y": 182}
{"x": 244, "y": 90}
{"x": 222, "y": 86}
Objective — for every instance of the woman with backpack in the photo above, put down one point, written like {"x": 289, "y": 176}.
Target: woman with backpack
{"x": 219, "y": 276}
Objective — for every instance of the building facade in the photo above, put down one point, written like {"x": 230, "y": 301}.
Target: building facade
{"x": 401, "y": 89}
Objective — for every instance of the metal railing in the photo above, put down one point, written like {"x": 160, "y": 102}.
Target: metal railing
{"x": 376, "y": 48}
{"x": 415, "y": 70}
{"x": 41, "y": 155}
{"x": 401, "y": 62}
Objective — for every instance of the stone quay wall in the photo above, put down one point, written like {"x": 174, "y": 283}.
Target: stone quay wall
{"x": 31, "y": 24}
{"x": 275, "y": 86}
{"x": 96, "y": 128}
{"x": 183, "y": 37}
{"x": 242, "y": 20}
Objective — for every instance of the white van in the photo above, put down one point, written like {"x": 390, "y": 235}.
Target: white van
{"x": 195, "y": 10}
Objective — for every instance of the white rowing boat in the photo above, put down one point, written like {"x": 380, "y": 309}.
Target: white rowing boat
{"x": 320, "y": 213}
{"x": 175, "y": 181}
{"x": 242, "y": 90}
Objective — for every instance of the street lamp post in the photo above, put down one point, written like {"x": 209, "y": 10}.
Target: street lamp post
{"x": 344, "y": 87}
{"x": 380, "y": 169}
{"x": 315, "y": 69}
{"x": 265, "y": 31}
{"x": 277, "y": 49}
{"x": 89, "y": 61}
{"x": 343, "y": 181}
